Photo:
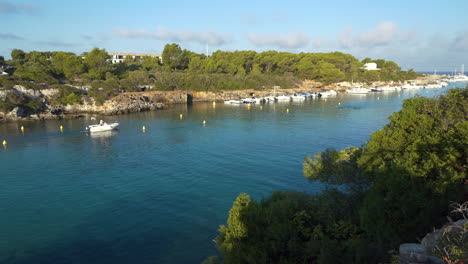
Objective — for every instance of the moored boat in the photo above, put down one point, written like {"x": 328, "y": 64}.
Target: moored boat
{"x": 358, "y": 90}
{"x": 102, "y": 126}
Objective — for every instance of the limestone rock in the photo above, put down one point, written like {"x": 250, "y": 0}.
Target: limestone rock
{"x": 416, "y": 254}
{"x": 16, "y": 113}
{"x": 28, "y": 92}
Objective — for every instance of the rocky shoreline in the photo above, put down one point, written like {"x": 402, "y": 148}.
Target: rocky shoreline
{"x": 129, "y": 102}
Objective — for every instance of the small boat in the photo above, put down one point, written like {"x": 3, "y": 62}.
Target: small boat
{"x": 283, "y": 98}
{"x": 327, "y": 93}
{"x": 297, "y": 97}
{"x": 102, "y": 127}
{"x": 411, "y": 86}
{"x": 234, "y": 102}
{"x": 358, "y": 90}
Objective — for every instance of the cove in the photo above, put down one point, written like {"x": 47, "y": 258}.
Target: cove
{"x": 159, "y": 196}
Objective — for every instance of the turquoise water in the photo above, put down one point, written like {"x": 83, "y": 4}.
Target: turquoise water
{"x": 159, "y": 196}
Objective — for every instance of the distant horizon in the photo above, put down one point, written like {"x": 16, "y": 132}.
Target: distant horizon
{"x": 399, "y": 31}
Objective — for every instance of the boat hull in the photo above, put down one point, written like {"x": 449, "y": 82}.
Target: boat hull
{"x": 102, "y": 128}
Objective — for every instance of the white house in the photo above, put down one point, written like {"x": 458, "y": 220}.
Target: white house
{"x": 118, "y": 57}
{"x": 371, "y": 66}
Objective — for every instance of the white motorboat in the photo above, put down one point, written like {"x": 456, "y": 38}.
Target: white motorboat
{"x": 328, "y": 93}
{"x": 411, "y": 86}
{"x": 102, "y": 127}
{"x": 283, "y": 98}
{"x": 358, "y": 90}
{"x": 298, "y": 97}
{"x": 234, "y": 102}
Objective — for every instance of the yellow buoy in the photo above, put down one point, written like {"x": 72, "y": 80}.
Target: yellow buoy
{"x": 61, "y": 128}
{"x": 181, "y": 116}
{"x": 287, "y": 110}
{"x": 4, "y": 143}
{"x": 261, "y": 107}
{"x": 22, "y": 128}
{"x": 214, "y": 103}
{"x": 143, "y": 128}
{"x": 204, "y": 122}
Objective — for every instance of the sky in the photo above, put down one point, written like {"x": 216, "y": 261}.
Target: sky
{"x": 423, "y": 35}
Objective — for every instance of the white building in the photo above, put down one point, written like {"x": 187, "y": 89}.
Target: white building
{"x": 371, "y": 66}
{"x": 118, "y": 57}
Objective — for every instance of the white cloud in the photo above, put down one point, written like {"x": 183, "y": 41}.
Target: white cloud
{"x": 56, "y": 43}
{"x": 131, "y": 33}
{"x": 19, "y": 8}
{"x": 292, "y": 40}
{"x": 381, "y": 35}
{"x": 9, "y": 36}
{"x": 211, "y": 38}
{"x": 460, "y": 42}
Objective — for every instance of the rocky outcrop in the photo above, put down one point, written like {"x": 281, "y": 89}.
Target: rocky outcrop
{"x": 17, "y": 112}
{"x": 28, "y": 92}
{"x": 121, "y": 104}
{"x": 412, "y": 253}
{"x": 422, "y": 253}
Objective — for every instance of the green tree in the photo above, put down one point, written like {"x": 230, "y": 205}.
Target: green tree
{"x": 170, "y": 56}
{"x": 36, "y": 67}
{"x": 18, "y": 56}
{"x": 97, "y": 63}
{"x": 327, "y": 73}
{"x": 68, "y": 64}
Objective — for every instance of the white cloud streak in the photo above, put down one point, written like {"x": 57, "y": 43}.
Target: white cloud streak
{"x": 8, "y": 36}
{"x": 382, "y": 34}
{"x": 292, "y": 40}
{"x": 19, "y": 8}
{"x": 211, "y": 38}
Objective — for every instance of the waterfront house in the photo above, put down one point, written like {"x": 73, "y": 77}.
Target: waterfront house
{"x": 118, "y": 57}
{"x": 371, "y": 66}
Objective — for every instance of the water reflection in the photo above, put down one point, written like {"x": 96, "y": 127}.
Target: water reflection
{"x": 103, "y": 136}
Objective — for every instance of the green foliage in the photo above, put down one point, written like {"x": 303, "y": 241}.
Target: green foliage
{"x": 15, "y": 99}
{"x": 168, "y": 81}
{"x": 67, "y": 95}
{"x": 174, "y": 58}
{"x": 70, "y": 99}
{"x": 97, "y": 63}
{"x": 68, "y": 65}
{"x": 337, "y": 168}
{"x": 18, "y": 56}
{"x": 36, "y": 67}
{"x": 291, "y": 227}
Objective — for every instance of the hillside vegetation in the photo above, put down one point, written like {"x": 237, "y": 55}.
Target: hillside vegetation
{"x": 182, "y": 70}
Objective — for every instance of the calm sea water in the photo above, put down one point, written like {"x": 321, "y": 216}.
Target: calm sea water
{"x": 159, "y": 196}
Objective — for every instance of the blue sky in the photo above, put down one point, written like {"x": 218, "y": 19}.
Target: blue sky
{"x": 424, "y": 35}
